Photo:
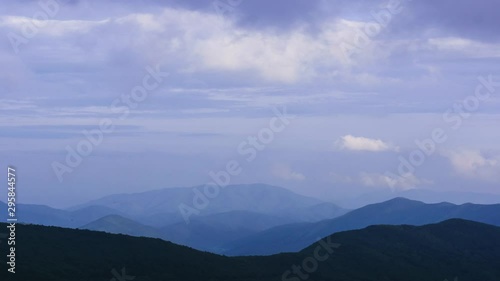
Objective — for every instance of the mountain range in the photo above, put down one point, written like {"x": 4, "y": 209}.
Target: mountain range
{"x": 161, "y": 207}
{"x": 293, "y": 237}
{"x": 245, "y": 219}
{"x": 236, "y": 233}
{"x": 44, "y": 215}
{"x": 423, "y": 195}
{"x": 453, "y": 249}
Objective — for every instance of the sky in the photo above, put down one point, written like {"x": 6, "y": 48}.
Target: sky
{"x": 331, "y": 99}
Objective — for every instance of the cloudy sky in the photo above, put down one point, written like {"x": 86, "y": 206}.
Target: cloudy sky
{"x": 340, "y": 98}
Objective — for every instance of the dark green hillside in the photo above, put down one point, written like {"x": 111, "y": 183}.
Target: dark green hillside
{"x": 466, "y": 249}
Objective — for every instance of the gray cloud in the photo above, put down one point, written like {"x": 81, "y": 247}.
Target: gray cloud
{"x": 227, "y": 73}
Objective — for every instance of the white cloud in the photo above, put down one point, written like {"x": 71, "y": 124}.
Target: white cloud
{"x": 285, "y": 172}
{"x": 467, "y": 47}
{"x": 50, "y": 27}
{"x": 404, "y": 182}
{"x": 378, "y": 180}
{"x": 474, "y": 164}
{"x": 176, "y": 35}
{"x": 350, "y": 142}
{"x": 288, "y": 57}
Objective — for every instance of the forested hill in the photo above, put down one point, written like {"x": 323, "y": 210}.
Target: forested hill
{"x": 453, "y": 248}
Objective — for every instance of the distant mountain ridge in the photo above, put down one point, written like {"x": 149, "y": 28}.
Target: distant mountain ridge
{"x": 209, "y": 233}
{"x": 275, "y": 229}
{"x": 206, "y": 233}
{"x": 120, "y": 225}
{"x": 422, "y": 195}
{"x": 161, "y": 207}
{"x": 293, "y": 237}
{"x": 44, "y": 215}
{"x": 239, "y": 211}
